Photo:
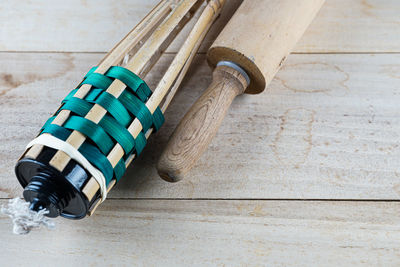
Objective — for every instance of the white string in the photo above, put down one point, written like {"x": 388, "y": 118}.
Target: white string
{"x": 23, "y": 218}
{"x": 53, "y": 142}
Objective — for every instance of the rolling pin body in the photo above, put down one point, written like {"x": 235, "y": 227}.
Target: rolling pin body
{"x": 257, "y": 39}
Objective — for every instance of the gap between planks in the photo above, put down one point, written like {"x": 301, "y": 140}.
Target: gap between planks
{"x": 204, "y": 53}
{"x": 249, "y": 199}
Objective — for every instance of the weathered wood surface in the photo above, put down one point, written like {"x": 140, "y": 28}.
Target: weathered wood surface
{"x": 215, "y": 233}
{"x": 326, "y": 128}
{"x": 93, "y": 26}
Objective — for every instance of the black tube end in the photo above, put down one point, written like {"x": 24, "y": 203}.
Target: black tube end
{"x": 47, "y": 188}
{"x": 44, "y": 191}
{"x": 37, "y": 205}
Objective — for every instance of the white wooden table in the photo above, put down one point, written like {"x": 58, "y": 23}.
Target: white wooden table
{"x": 306, "y": 173}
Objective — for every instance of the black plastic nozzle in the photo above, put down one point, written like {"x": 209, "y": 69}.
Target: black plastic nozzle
{"x": 37, "y": 205}
{"x": 47, "y": 188}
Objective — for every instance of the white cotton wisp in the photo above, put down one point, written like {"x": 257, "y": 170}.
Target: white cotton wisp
{"x": 25, "y": 219}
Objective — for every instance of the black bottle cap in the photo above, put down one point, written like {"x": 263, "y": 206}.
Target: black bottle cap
{"x": 47, "y": 188}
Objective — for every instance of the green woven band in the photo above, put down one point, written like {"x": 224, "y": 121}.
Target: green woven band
{"x": 112, "y": 129}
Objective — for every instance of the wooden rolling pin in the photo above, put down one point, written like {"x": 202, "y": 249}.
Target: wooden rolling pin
{"x": 246, "y": 56}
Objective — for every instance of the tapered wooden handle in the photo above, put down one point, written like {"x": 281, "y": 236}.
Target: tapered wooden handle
{"x": 200, "y": 124}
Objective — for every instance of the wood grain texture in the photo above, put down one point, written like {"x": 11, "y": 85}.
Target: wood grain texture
{"x": 356, "y": 26}
{"x": 197, "y": 128}
{"x": 167, "y": 85}
{"x": 215, "y": 233}
{"x": 139, "y": 63}
{"x": 90, "y": 26}
{"x": 326, "y": 128}
{"x": 260, "y": 46}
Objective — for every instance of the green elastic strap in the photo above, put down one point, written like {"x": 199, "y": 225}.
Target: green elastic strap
{"x": 137, "y": 108}
{"x": 108, "y": 123}
{"x": 98, "y": 80}
{"x": 92, "y": 130}
{"x": 140, "y": 142}
{"x": 121, "y": 112}
{"x": 70, "y": 94}
{"x": 77, "y": 106}
{"x": 114, "y": 107}
{"x": 131, "y": 80}
{"x": 107, "y": 101}
{"x": 90, "y": 152}
{"x": 92, "y": 69}
{"x": 93, "y": 94}
{"x": 118, "y": 132}
{"x": 119, "y": 169}
{"x": 158, "y": 119}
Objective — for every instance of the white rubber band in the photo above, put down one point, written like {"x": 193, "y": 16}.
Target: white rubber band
{"x": 53, "y": 142}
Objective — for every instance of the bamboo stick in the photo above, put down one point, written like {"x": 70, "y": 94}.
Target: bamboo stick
{"x": 174, "y": 74}
{"x": 132, "y": 39}
{"x": 246, "y": 55}
{"x": 175, "y": 87}
{"x": 137, "y": 64}
{"x": 185, "y": 67}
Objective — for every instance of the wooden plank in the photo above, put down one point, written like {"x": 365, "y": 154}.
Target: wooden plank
{"x": 86, "y": 25}
{"x": 215, "y": 233}
{"x": 76, "y": 25}
{"x": 354, "y": 26}
{"x": 326, "y": 128}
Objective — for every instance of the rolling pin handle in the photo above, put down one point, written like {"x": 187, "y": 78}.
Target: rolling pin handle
{"x": 200, "y": 124}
